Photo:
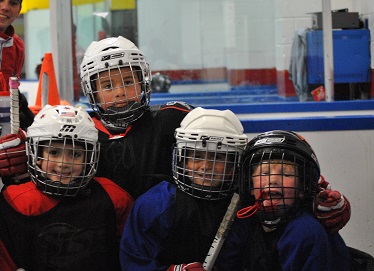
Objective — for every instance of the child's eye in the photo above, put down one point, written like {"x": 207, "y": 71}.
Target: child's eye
{"x": 78, "y": 154}
{"x": 53, "y": 152}
{"x": 199, "y": 156}
{"x": 128, "y": 83}
{"x": 14, "y": 2}
{"x": 196, "y": 154}
{"x": 106, "y": 86}
{"x": 221, "y": 157}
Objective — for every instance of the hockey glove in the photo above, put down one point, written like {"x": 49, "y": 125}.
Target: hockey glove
{"x": 13, "y": 159}
{"x": 187, "y": 267}
{"x": 331, "y": 208}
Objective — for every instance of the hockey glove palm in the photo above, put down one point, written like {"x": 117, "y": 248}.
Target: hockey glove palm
{"x": 13, "y": 159}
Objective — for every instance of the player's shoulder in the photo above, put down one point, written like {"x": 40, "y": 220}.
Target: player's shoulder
{"x": 169, "y": 115}
{"x": 17, "y": 39}
{"x": 305, "y": 226}
{"x": 172, "y": 107}
{"x": 160, "y": 196}
{"x": 111, "y": 188}
{"x": 27, "y": 199}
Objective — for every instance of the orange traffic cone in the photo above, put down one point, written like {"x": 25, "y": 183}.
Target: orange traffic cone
{"x": 47, "y": 88}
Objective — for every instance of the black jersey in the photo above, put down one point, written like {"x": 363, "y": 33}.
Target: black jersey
{"x": 141, "y": 157}
{"x": 42, "y": 233}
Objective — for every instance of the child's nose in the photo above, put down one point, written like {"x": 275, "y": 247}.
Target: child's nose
{"x": 275, "y": 179}
{"x": 65, "y": 161}
{"x": 119, "y": 90}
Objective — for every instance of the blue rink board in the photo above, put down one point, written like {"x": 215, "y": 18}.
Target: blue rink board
{"x": 247, "y": 101}
{"x": 337, "y": 123}
{"x": 265, "y": 100}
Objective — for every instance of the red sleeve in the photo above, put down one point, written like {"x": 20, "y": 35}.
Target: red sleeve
{"x": 19, "y": 53}
{"x": 122, "y": 201}
{"x": 6, "y": 261}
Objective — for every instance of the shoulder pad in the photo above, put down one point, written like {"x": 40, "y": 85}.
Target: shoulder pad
{"x": 177, "y": 104}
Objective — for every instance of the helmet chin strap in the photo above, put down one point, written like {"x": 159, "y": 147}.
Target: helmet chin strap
{"x": 253, "y": 209}
{"x": 250, "y": 210}
{"x": 123, "y": 112}
{"x": 120, "y": 117}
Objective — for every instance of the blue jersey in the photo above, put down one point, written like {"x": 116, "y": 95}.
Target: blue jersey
{"x": 141, "y": 240}
{"x": 166, "y": 226}
{"x": 303, "y": 244}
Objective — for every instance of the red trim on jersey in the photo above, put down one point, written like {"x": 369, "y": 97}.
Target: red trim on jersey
{"x": 20, "y": 196}
{"x": 6, "y": 261}
{"x": 122, "y": 201}
{"x": 175, "y": 107}
{"x": 100, "y": 126}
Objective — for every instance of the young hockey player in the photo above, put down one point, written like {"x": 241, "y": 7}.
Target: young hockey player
{"x": 136, "y": 139}
{"x": 65, "y": 218}
{"x": 172, "y": 226}
{"x": 279, "y": 177}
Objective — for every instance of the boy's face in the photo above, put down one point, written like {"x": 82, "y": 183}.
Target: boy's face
{"x": 276, "y": 183}
{"x": 208, "y": 168}
{"x": 117, "y": 87}
{"x": 9, "y": 11}
{"x": 62, "y": 162}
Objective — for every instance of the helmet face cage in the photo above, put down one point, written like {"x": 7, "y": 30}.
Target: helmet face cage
{"x": 279, "y": 174}
{"x": 63, "y": 150}
{"x": 209, "y": 173}
{"x": 281, "y": 184}
{"x": 116, "y": 79}
{"x": 68, "y": 181}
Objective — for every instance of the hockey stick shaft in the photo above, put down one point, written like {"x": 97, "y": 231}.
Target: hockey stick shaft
{"x": 14, "y": 105}
{"x": 222, "y": 232}
{"x": 45, "y": 88}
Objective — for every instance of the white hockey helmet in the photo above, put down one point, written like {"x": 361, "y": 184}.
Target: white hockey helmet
{"x": 112, "y": 54}
{"x": 211, "y": 132}
{"x": 67, "y": 125}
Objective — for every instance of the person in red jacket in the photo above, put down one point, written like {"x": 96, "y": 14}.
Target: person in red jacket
{"x": 12, "y": 53}
{"x": 64, "y": 218}
{"x": 12, "y": 46}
